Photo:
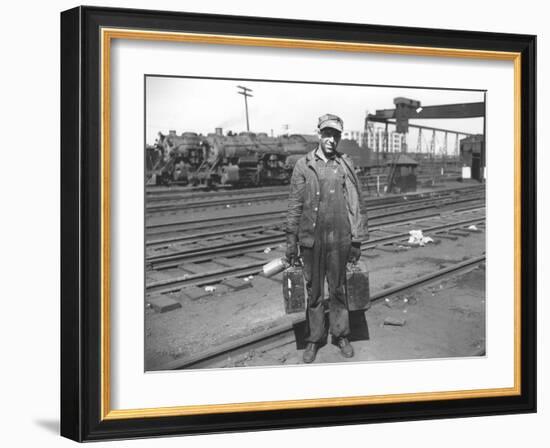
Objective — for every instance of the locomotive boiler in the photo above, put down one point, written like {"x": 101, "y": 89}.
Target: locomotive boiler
{"x": 248, "y": 159}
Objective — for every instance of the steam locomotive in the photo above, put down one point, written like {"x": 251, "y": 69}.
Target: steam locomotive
{"x": 173, "y": 157}
{"x": 244, "y": 159}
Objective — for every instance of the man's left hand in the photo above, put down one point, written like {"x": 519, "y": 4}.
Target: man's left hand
{"x": 354, "y": 253}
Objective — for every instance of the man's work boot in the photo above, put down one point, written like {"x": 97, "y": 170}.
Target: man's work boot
{"x": 310, "y": 352}
{"x": 345, "y": 348}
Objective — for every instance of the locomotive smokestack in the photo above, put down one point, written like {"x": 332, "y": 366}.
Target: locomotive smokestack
{"x": 171, "y": 132}
{"x": 219, "y": 131}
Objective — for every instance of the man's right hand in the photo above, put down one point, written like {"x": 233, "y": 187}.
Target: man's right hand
{"x": 291, "y": 249}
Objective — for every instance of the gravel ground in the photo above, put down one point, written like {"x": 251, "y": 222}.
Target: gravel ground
{"x": 443, "y": 320}
{"x": 446, "y": 320}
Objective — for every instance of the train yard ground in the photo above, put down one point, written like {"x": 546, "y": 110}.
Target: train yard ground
{"x": 208, "y": 306}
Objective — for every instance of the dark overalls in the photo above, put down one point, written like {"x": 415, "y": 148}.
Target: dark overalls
{"x": 328, "y": 256}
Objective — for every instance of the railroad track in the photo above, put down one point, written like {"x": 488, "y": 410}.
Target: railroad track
{"x": 276, "y": 212}
{"x": 182, "y": 193}
{"x": 207, "y": 229}
{"x": 254, "y": 237}
{"x": 215, "y": 202}
{"x": 156, "y": 205}
{"x": 207, "y": 266}
{"x": 283, "y": 333}
{"x": 158, "y": 193}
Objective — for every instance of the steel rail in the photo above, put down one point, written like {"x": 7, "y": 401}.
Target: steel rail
{"x": 156, "y": 208}
{"x": 257, "y": 242}
{"x": 405, "y": 203}
{"x": 167, "y": 260}
{"x": 168, "y": 195}
{"x": 254, "y": 268}
{"x": 285, "y": 330}
{"x": 273, "y": 224}
{"x": 187, "y": 205}
{"x": 182, "y": 193}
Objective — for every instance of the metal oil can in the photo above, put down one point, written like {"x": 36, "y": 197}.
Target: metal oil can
{"x": 294, "y": 290}
{"x": 275, "y": 266}
{"x": 357, "y": 286}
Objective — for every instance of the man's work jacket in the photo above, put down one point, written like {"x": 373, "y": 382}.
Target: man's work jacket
{"x": 303, "y": 202}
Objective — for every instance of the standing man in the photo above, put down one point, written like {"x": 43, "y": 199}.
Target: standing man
{"x": 324, "y": 227}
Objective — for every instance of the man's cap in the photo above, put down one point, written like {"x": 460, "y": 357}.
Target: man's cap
{"x": 331, "y": 121}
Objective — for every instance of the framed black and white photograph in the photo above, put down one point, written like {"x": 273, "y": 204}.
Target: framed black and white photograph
{"x": 275, "y": 224}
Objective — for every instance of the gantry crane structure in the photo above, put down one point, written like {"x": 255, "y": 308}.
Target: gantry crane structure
{"x": 407, "y": 109}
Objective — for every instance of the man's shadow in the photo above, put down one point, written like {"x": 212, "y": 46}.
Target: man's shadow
{"x": 358, "y": 327}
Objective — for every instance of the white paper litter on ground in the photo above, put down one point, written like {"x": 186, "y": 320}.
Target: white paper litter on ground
{"x": 472, "y": 227}
{"x": 209, "y": 288}
{"x": 417, "y": 238}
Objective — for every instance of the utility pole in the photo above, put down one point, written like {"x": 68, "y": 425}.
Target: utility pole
{"x": 245, "y": 93}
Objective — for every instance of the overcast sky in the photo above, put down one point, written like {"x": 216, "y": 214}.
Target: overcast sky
{"x": 201, "y": 105}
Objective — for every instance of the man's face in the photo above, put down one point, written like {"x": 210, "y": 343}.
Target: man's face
{"x": 329, "y": 139}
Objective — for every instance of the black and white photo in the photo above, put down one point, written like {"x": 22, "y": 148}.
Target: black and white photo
{"x": 293, "y": 223}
